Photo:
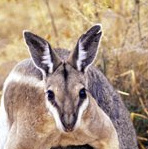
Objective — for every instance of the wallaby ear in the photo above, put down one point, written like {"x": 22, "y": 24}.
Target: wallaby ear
{"x": 44, "y": 58}
{"x": 86, "y": 49}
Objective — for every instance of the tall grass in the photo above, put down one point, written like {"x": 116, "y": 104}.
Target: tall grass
{"x": 123, "y": 55}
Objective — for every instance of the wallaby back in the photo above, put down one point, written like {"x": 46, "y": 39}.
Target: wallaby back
{"x": 110, "y": 101}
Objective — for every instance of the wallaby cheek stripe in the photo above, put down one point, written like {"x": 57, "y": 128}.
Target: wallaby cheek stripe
{"x": 54, "y": 112}
{"x": 81, "y": 109}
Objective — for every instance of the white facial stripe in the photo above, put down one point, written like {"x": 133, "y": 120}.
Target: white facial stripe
{"x": 80, "y": 113}
{"x": 4, "y": 124}
{"x": 47, "y": 59}
{"x": 53, "y": 111}
{"x": 81, "y": 55}
{"x": 23, "y": 79}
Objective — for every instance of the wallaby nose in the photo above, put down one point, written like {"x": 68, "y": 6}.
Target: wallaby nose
{"x": 68, "y": 122}
{"x": 69, "y": 128}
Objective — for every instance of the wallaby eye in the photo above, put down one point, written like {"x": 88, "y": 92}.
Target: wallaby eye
{"x": 50, "y": 95}
{"x": 82, "y": 93}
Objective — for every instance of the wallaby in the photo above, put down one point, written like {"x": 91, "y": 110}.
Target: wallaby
{"x": 58, "y": 99}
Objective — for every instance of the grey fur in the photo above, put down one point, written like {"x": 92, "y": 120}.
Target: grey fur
{"x": 89, "y": 42}
{"x": 38, "y": 47}
{"x": 110, "y": 101}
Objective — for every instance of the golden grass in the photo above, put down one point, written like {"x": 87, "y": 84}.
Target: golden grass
{"x": 123, "y": 55}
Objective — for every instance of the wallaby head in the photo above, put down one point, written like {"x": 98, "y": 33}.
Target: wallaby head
{"x": 66, "y": 92}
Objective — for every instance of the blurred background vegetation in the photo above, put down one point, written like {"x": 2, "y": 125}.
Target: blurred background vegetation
{"x": 123, "y": 55}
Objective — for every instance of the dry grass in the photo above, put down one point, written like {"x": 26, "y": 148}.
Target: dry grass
{"x": 123, "y": 55}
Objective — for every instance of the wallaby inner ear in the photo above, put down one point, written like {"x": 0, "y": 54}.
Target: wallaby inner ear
{"x": 44, "y": 58}
{"x": 86, "y": 49}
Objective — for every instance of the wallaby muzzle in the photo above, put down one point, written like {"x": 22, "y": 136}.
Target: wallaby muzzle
{"x": 68, "y": 121}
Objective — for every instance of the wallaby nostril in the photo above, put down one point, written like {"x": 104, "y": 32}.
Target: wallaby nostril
{"x": 69, "y": 128}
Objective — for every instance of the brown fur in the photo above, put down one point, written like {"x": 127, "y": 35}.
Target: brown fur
{"x": 35, "y": 125}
